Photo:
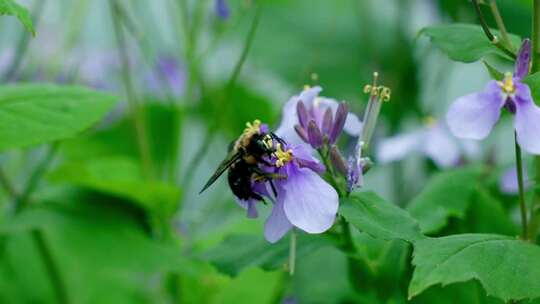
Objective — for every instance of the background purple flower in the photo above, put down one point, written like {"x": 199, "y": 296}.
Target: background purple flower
{"x": 508, "y": 183}
{"x": 473, "y": 116}
{"x": 315, "y": 109}
{"x": 222, "y": 9}
{"x": 433, "y": 140}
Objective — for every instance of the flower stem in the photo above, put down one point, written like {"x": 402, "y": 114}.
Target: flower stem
{"x": 488, "y": 33}
{"x": 51, "y": 266}
{"x": 292, "y": 252}
{"x": 500, "y": 24}
{"x": 535, "y": 67}
{"x": 522, "y": 206}
{"x": 135, "y": 108}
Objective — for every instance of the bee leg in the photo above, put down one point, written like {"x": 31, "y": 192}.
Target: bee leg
{"x": 274, "y": 191}
{"x": 279, "y": 139}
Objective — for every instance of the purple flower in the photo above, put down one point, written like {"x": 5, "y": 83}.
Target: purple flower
{"x": 508, "y": 182}
{"x": 222, "y": 9}
{"x": 473, "y": 116}
{"x": 169, "y": 72}
{"x": 304, "y": 199}
{"x": 433, "y": 140}
{"x": 308, "y": 118}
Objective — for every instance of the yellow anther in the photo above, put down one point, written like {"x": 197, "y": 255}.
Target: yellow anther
{"x": 375, "y": 90}
{"x": 307, "y": 87}
{"x": 507, "y": 84}
{"x": 283, "y": 157}
{"x": 430, "y": 121}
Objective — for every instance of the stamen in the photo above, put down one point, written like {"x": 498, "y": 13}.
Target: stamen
{"x": 430, "y": 121}
{"x": 381, "y": 91}
{"x": 507, "y": 84}
{"x": 283, "y": 157}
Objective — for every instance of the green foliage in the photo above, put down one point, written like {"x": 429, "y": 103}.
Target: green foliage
{"x": 10, "y": 7}
{"x": 533, "y": 80}
{"x": 493, "y": 72}
{"x": 120, "y": 177}
{"x": 370, "y": 213}
{"x": 446, "y": 195}
{"x": 464, "y": 42}
{"x": 238, "y": 252}
{"x": 35, "y": 114}
{"x": 105, "y": 243}
{"x": 507, "y": 268}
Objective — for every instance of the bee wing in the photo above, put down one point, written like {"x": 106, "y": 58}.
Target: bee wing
{"x": 225, "y": 164}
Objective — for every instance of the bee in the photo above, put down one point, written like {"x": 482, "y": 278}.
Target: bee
{"x": 245, "y": 155}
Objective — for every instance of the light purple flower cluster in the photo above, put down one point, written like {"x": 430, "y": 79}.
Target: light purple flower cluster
{"x": 309, "y": 118}
{"x": 473, "y": 116}
{"x": 222, "y": 9}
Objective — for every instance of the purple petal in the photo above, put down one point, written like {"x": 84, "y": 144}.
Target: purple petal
{"x": 302, "y": 113}
{"x": 509, "y": 183}
{"x": 339, "y": 122}
{"x": 250, "y": 205}
{"x": 314, "y": 135}
{"x": 277, "y": 224}
{"x": 222, "y": 9}
{"x": 441, "y": 147}
{"x": 327, "y": 121}
{"x": 398, "y": 147}
{"x": 355, "y": 177}
{"x": 289, "y": 117}
{"x": 353, "y": 125}
{"x": 473, "y": 116}
{"x": 527, "y": 120}
{"x": 304, "y": 159}
{"x": 523, "y": 60}
{"x": 309, "y": 202}
{"x": 301, "y": 132}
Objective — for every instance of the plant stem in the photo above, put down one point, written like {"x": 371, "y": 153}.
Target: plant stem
{"x": 209, "y": 136}
{"x": 488, "y": 33}
{"x": 535, "y": 67}
{"x": 292, "y": 252}
{"x": 22, "y": 44}
{"x": 522, "y": 206}
{"x": 52, "y": 268}
{"x": 6, "y": 184}
{"x": 137, "y": 112}
{"x": 22, "y": 200}
{"x": 500, "y": 24}
{"x": 354, "y": 267}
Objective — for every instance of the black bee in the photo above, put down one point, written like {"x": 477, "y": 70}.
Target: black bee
{"x": 245, "y": 155}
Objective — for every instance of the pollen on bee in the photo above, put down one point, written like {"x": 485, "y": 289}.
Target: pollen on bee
{"x": 283, "y": 157}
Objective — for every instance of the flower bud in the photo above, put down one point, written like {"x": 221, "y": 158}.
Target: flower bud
{"x": 301, "y": 132}
{"x": 327, "y": 121}
{"x": 338, "y": 161}
{"x": 339, "y": 122}
{"x": 314, "y": 135}
{"x": 302, "y": 113}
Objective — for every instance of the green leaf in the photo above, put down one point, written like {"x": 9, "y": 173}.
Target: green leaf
{"x": 99, "y": 248}
{"x": 238, "y": 252}
{"x": 446, "y": 195}
{"x": 120, "y": 177}
{"x": 465, "y": 42}
{"x": 533, "y": 81}
{"x": 10, "y": 7}
{"x": 507, "y": 268}
{"x": 35, "y": 114}
{"x": 370, "y": 213}
{"x": 493, "y": 72}
{"x": 487, "y": 215}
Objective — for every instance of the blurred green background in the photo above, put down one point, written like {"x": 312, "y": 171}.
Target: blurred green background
{"x": 121, "y": 237}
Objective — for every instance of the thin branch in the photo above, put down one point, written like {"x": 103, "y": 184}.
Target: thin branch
{"x": 488, "y": 33}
